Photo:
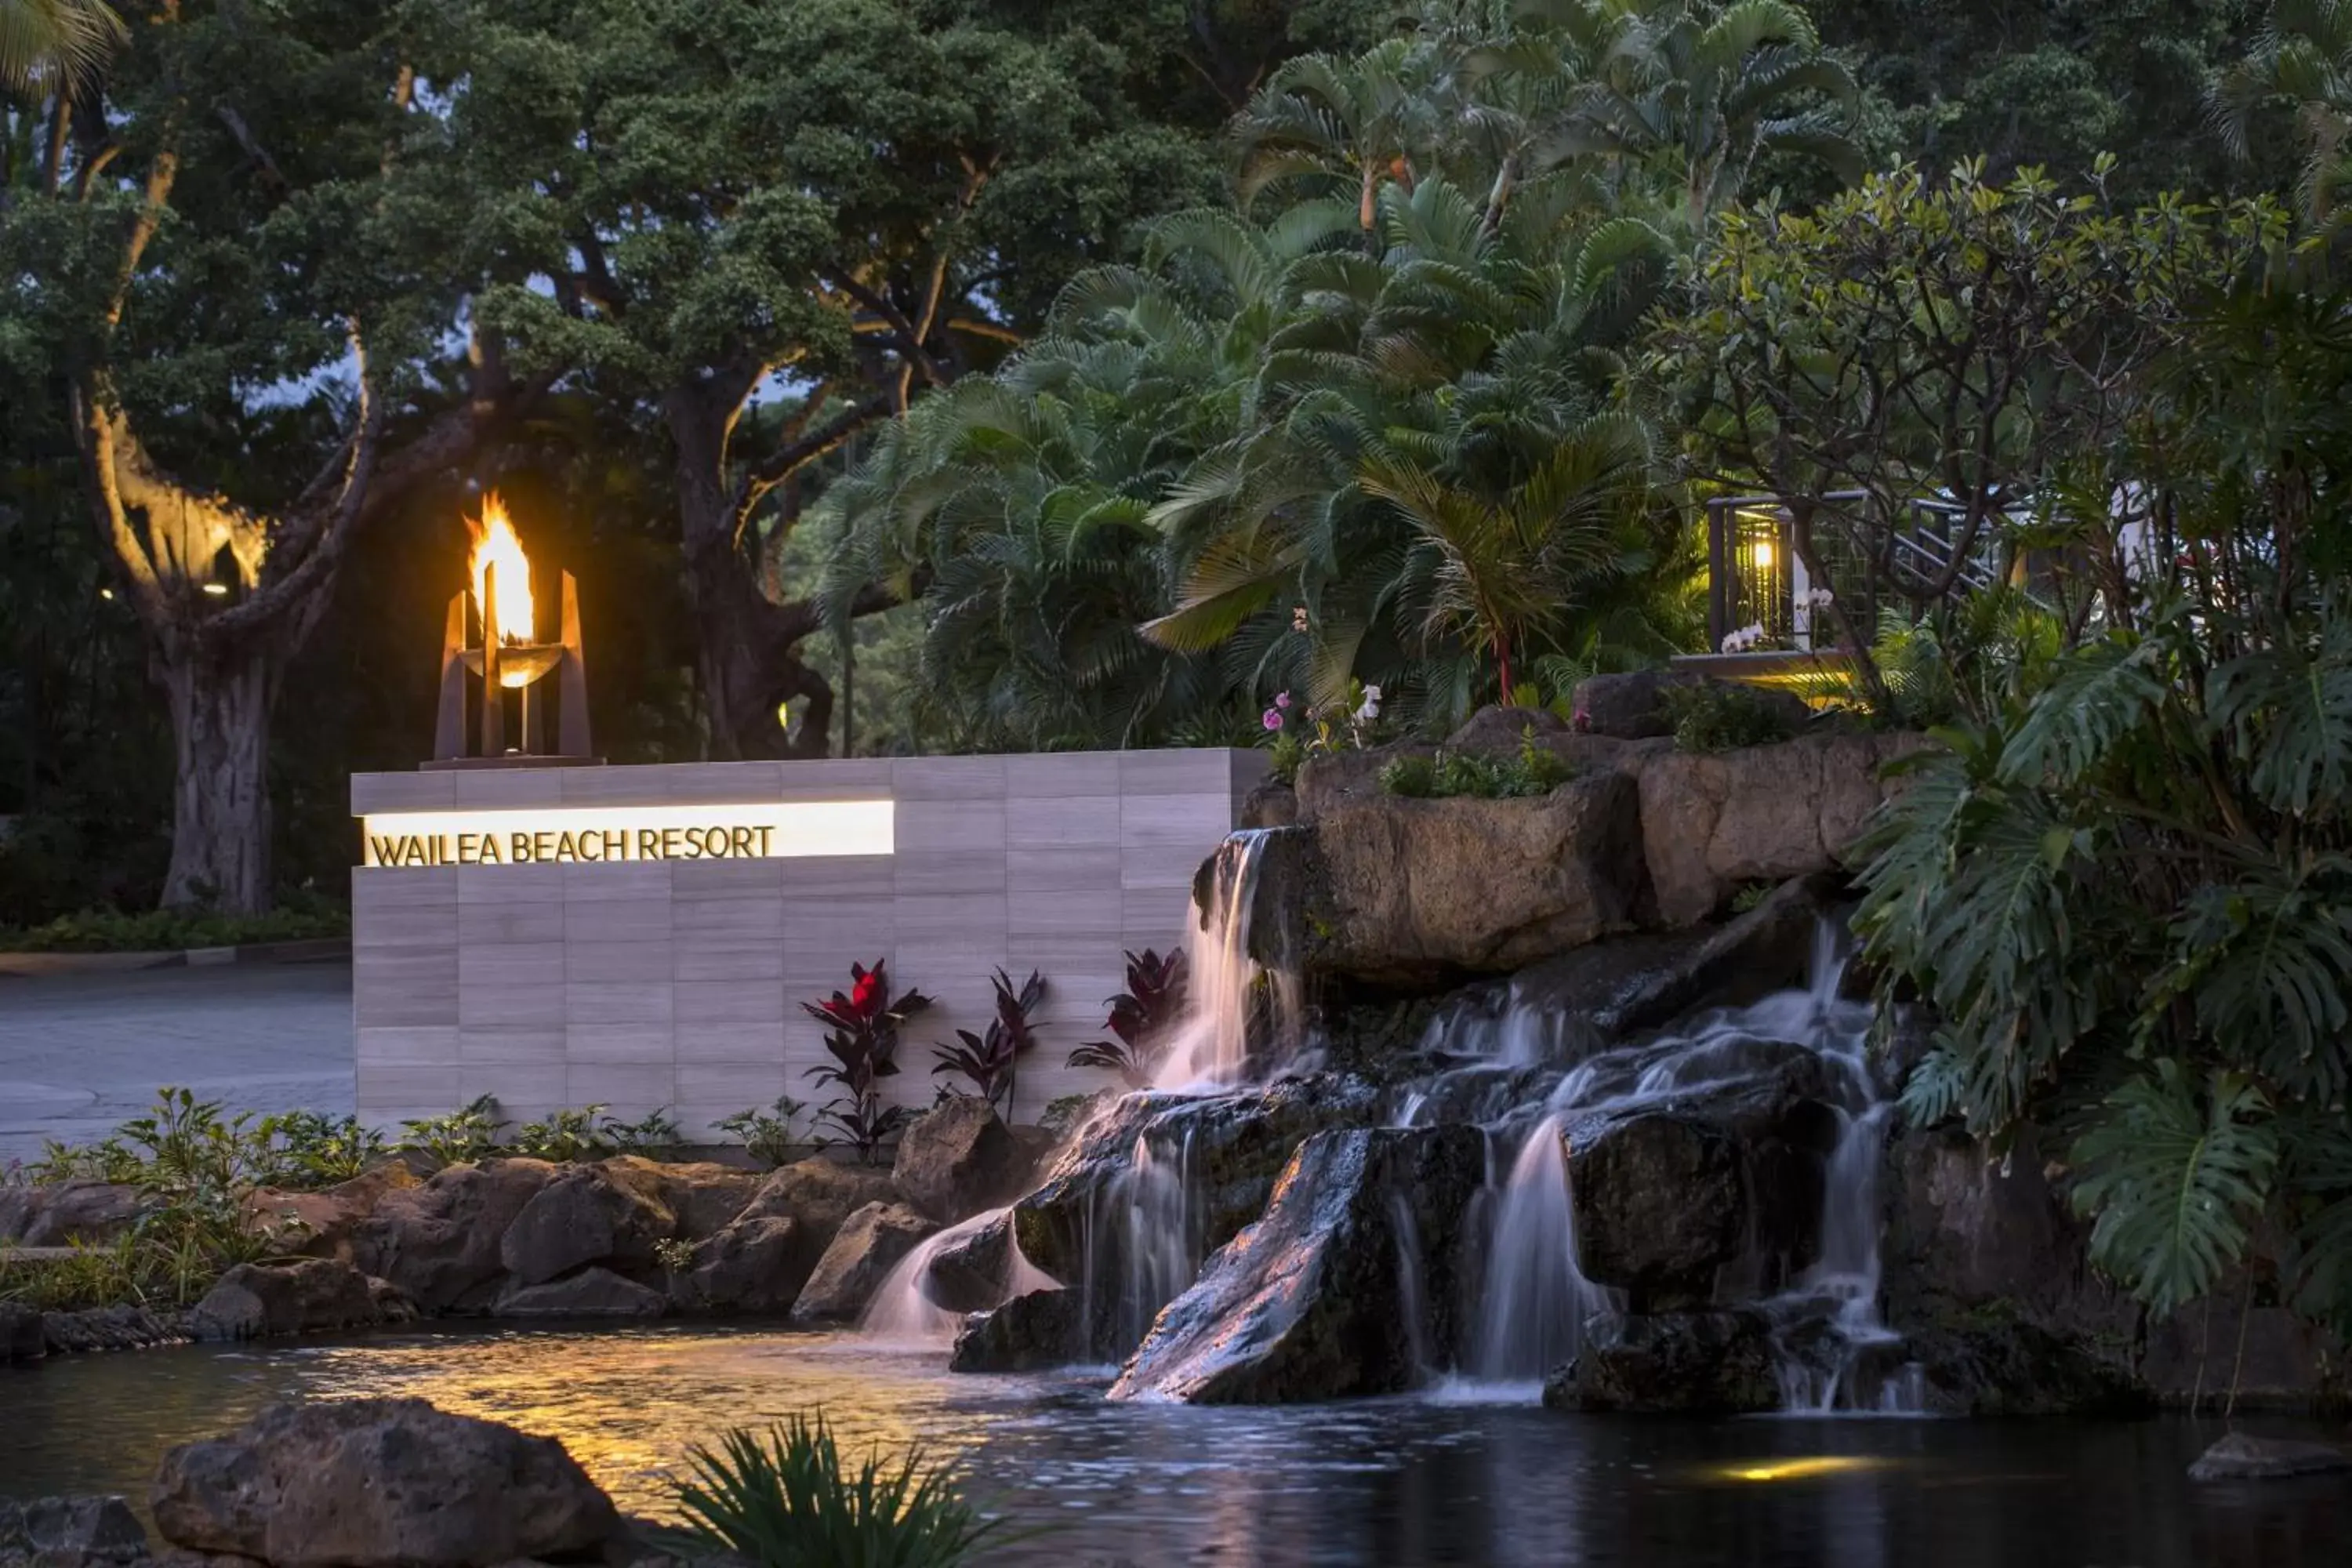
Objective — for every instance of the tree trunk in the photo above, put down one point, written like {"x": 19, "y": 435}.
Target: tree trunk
{"x": 748, "y": 657}
{"x": 221, "y": 701}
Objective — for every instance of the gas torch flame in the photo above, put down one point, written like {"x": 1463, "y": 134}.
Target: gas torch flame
{"x": 495, "y": 545}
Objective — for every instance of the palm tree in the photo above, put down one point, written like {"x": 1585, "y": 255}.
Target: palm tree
{"x": 1704, "y": 90}
{"x": 59, "y": 44}
{"x": 1494, "y": 566}
{"x": 2305, "y": 54}
{"x": 1321, "y": 121}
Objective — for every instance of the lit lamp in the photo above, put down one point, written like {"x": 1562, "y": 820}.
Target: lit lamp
{"x": 509, "y": 659}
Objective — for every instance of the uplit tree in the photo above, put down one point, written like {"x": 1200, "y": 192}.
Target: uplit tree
{"x": 250, "y": 349}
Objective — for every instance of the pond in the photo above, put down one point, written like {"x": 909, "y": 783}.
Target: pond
{"x": 1474, "y": 1476}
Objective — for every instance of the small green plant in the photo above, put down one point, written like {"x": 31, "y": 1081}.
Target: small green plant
{"x": 1723, "y": 716}
{"x": 766, "y": 1133}
{"x": 460, "y": 1138}
{"x": 654, "y": 1134}
{"x": 783, "y": 1498}
{"x": 1412, "y": 777}
{"x": 305, "y": 1149}
{"x": 1750, "y": 894}
{"x": 1534, "y": 771}
{"x": 674, "y": 1255}
{"x": 1284, "y": 756}
{"x": 570, "y": 1132}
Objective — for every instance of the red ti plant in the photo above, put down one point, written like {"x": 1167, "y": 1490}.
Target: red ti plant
{"x": 1141, "y": 1016}
{"x": 991, "y": 1060}
{"x": 862, "y": 1034}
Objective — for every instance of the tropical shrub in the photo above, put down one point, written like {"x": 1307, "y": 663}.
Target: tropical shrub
{"x": 309, "y": 1149}
{"x": 465, "y": 1135}
{"x": 991, "y": 1060}
{"x": 1534, "y": 771}
{"x": 1723, "y": 716}
{"x": 766, "y": 1132}
{"x": 862, "y": 1034}
{"x": 1141, "y": 1017}
{"x": 783, "y": 1498}
{"x": 2129, "y": 892}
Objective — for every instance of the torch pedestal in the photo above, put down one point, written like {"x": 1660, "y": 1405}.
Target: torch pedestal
{"x": 496, "y": 668}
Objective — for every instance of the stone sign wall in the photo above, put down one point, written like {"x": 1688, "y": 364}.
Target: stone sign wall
{"x": 675, "y": 978}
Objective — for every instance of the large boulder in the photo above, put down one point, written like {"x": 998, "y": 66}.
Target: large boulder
{"x": 820, "y": 1193}
{"x": 1347, "y": 1286}
{"x": 756, "y": 1265}
{"x": 440, "y": 1243}
{"x": 1718, "y": 1184}
{"x": 1628, "y": 706}
{"x": 2242, "y": 1457}
{"x": 72, "y": 1533}
{"x": 589, "y": 1214}
{"x": 1690, "y": 1363}
{"x": 1029, "y": 1334}
{"x": 1710, "y": 822}
{"x": 959, "y": 1160}
{"x": 1660, "y": 1207}
{"x": 325, "y": 1224}
{"x": 379, "y": 1483}
{"x": 1561, "y": 1010}
{"x": 1995, "y": 1367}
{"x": 1153, "y": 1183}
{"x": 971, "y": 1272}
{"x": 254, "y": 1301}
{"x": 591, "y": 1293}
{"x": 122, "y": 1327}
{"x": 1408, "y": 891}
{"x": 704, "y": 1195}
{"x": 871, "y": 1243}
{"x": 86, "y": 1212}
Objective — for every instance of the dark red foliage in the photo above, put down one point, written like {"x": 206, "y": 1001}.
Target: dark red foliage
{"x": 1141, "y": 1016}
{"x": 991, "y": 1060}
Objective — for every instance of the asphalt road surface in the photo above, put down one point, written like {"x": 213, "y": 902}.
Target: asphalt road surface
{"x": 81, "y": 1053}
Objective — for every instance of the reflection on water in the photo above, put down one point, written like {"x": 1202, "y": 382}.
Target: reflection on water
{"x": 1388, "y": 1481}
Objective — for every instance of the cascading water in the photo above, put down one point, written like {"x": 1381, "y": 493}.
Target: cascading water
{"x": 1536, "y": 1300}
{"x": 1141, "y": 1227}
{"x": 903, "y": 1310}
{"x": 1211, "y": 1047}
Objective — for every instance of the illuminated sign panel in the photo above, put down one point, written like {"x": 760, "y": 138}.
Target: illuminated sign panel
{"x": 589, "y": 835}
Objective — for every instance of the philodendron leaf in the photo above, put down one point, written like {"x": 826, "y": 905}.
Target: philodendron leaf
{"x": 2176, "y": 1173}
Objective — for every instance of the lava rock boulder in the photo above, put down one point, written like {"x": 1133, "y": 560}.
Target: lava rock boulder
{"x": 1312, "y": 1300}
{"x": 871, "y": 1243}
{"x": 959, "y": 1160}
{"x": 379, "y": 1483}
{"x": 1687, "y": 1363}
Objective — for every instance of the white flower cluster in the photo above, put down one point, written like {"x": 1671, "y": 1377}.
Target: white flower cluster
{"x": 1370, "y": 708}
{"x": 1746, "y": 637}
{"x": 1819, "y": 599}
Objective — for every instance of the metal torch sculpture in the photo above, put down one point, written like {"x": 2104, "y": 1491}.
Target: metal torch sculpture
{"x": 509, "y": 659}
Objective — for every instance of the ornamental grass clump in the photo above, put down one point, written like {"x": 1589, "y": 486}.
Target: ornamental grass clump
{"x": 783, "y": 1498}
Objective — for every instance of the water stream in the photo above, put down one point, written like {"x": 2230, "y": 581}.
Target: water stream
{"x": 1231, "y": 992}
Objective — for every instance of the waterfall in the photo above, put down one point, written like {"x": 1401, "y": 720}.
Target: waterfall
{"x": 1412, "y": 1270}
{"x": 903, "y": 1310}
{"x": 1211, "y": 1045}
{"x": 1829, "y": 1335}
{"x": 1143, "y": 1218}
{"x": 1536, "y": 1299}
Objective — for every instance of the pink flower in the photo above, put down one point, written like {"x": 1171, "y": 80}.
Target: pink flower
{"x": 1282, "y": 699}
{"x": 1581, "y": 723}
{"x": 1273, "y": 718}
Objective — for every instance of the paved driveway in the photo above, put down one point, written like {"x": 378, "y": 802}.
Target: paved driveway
{"x": 79, "y": 1053}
